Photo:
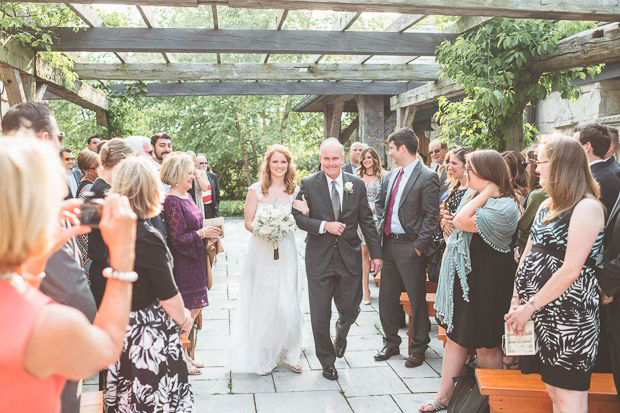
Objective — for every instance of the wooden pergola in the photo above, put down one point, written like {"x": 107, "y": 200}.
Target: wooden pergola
{"x": 385, "y": 95}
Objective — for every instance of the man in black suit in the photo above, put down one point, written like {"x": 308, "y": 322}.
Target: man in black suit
{"x": 596, "y": 142}
{"x": 338, "y": 205}
{"x": 610, "y": 156}
{"x": 73, "y": 175}
{"x": 410, "y": 218}
{"x": 355, "y": 158}
{"x": 609, "y": 284}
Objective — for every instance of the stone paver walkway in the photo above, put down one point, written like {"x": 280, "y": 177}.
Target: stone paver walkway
{"x": 364, "y": 385}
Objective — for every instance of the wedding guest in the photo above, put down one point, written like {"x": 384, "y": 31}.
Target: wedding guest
{"x": 438, "y": 151}
{"x": 355, "y": 158}
{"x": 162, "y": 146}
{"x": 49, "y": 342}
{"x": 200, "y": 182}
{"x": 112, "y": 153}
{"x": 518, "y": 174}
{"x": 156, "y": 307}
{"x": 456, "y": 169}
{"x": 536, "y": 196}
{"x": 596, "y": 142}
{"x": 609, "y": 282}
{"x": 477, "y": 272}
{"x": 92, "y": 143}
{"x": 185, "y": 236}
{"x": 88, "y": 162}
{"x": 210, "y": 196}
{"x": 408, "y": 225}
{"x": 371, "y": 172}
{"x": 610, "y": 156}
{"x": 66, "y": 281}
{"x": 72, "y": 176}
{"x": 140, "y": 145}
{"x": 556, "y": 280}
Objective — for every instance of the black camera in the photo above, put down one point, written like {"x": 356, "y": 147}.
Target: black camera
{"x": 90, "y": 212}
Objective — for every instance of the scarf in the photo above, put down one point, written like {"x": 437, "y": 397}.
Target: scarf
{"x": 496, "y": 222}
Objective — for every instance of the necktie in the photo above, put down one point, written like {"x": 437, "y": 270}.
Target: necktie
{"x": 335, "y": 200}
{"x": 388, "y": 218}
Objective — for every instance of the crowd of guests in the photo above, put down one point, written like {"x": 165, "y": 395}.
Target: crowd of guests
{"x": 519, "y": 237}
{"x": 111, "y": 294}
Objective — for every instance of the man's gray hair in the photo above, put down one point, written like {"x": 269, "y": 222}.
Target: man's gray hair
{"x": 329, "y": 142}
{"x": 136, "y": 143}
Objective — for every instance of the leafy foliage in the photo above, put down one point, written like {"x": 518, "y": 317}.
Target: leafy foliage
{"x": 493, "y": 64}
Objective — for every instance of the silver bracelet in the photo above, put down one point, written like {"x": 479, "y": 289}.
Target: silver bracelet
{"x": 130, "y": 276}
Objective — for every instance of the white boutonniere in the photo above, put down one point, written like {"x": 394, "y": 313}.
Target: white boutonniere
{"x": 348, "y": 187}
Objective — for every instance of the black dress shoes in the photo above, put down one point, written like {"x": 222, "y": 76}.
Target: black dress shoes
{"x": 330, "y": 373}
{"x": 340, "y": 347}
{"x": 387, "y": 353}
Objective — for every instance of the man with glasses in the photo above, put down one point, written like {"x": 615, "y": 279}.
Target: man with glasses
{"x": 438, "y": 151}
{"x": 72, "y": 175}
{"x": 210, "y": 196}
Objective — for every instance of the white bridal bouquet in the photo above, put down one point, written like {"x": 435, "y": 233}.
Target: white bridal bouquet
{"x": 274, "y": 223}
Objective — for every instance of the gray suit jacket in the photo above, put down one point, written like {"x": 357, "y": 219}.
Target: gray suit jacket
{"x": 348, "y": 168}
{"x": 66, "y": 284}
{"x": 418, "y": 211}
{"x": 355, "y": 212}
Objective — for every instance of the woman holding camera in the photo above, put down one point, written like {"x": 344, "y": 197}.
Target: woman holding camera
{"x": 152, "y": 359}
{"x": 47, "y": 343}
{"x": 112, "y": 153}
{"x": 185, "y": 236}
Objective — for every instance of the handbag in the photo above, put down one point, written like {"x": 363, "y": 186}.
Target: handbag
{"x": 433, "y": 261}
{"x": 466, "y": 397}
{"x": 212, "y": 247}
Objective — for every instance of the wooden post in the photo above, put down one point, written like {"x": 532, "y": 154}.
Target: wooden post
{"x": 333, "y": 115}
{"x": 13, "y": 84}
{"x": 371, "y": 111}
{"x": 29, "y": 85}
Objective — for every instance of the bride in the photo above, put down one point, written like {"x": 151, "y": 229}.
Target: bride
{"x": 267, "y": 327}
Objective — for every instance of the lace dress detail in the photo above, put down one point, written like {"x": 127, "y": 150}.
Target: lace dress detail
{"x": 268, "y": 319}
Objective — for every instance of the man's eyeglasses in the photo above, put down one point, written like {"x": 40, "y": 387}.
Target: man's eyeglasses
{"x": 436, "y": 151}
{"x": 203, "y": 163}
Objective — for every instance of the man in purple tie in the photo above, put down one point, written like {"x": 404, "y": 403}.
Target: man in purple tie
{"x": 410, "y": 218}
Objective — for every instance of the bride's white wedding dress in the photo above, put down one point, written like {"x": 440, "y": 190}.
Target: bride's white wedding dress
{"x": 267, "y": 327}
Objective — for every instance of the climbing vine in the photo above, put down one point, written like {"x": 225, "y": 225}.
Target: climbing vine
{"x": 493, "y": 65}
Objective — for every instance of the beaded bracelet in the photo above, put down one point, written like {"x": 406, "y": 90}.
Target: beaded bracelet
{"x": 130, "y": 276}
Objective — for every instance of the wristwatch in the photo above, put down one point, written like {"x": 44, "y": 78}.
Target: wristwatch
{"x": 532, "y": 301}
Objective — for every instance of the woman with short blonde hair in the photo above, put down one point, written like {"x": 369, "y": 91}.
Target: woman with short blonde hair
{"x": 47, "y": 343}
{"x": 185, "y": 236}
{"x": 156, "y": 305}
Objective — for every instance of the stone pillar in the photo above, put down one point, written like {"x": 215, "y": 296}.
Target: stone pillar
{"x": 372, "y": 122}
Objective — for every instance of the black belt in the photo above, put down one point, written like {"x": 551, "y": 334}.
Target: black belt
{"x": 559, "y": 254}
{"x": 399, "y": 237}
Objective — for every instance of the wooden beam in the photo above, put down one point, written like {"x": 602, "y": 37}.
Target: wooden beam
{"x": 600, "y": 45}
{"x": 30, "y": 86}
{"x": 465, "y": 24}
{"x": 341, "y": 25}
{"x": 216, "y": 26}
{"x": 279, "y": 24}
{"x": 591, "y": 47}
{"x": 606, "y": 10}
{"x": 12, "y": 81}
{"x": 271, "y": 88}
{"x": 399, "y": 25}
{"x": 41, "y": 89}
{"x": 246, "y": 41}
{"x": 148, "y": 16}
{"x": 251, "y": 71}
{"x": 89, "y": 16}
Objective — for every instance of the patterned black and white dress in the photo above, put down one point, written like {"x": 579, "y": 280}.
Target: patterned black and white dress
{"x": 567, "y": 329}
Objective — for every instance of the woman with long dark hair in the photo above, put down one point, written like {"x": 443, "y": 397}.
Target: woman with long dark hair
{"x": 477, "y": 271}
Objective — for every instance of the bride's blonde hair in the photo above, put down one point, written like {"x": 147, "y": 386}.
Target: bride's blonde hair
{"x": 265, "y": 173}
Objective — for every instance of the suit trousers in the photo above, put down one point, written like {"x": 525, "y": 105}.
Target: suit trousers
{"x": 612, "y": 311}
{"x": 346, "y": 290}
{"x": 403, "y": 270}
{"x": 210, "y": 211}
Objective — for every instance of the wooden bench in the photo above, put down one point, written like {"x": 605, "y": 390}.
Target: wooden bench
{"x": 404, "y": 301}
{"x": 91, "y": 402}
{"x": 511, "y": 391}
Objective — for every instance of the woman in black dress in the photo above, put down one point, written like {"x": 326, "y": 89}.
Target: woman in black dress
{"x": 477, "y": 271}
{"x": 111, "y": 154}
{"x": 150, "y": 375}
{"x": 557, "y": 277}
{"x": 456, "y": 171}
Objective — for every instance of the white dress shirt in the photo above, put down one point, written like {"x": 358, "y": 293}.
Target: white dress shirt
{"x": 596, "y": 161}
{"x": 339, "y": 188}
{"x": 396, "y": 227}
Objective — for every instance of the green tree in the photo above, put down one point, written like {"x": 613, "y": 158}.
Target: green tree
{"x": 493, "y": 64}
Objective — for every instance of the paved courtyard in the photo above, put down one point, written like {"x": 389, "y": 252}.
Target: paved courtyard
{"x": 364, "y": 385}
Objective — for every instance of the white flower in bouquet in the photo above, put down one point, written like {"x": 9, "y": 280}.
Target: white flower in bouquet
{"x": 273, "y": 223}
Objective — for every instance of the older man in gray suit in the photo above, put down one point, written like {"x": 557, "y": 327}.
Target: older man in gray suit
{"x": 338, "y": 205}
{"x": 409, "y": 220}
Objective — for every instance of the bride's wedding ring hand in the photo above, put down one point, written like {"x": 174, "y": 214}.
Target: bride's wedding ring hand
{"x": 335, "y": 228}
